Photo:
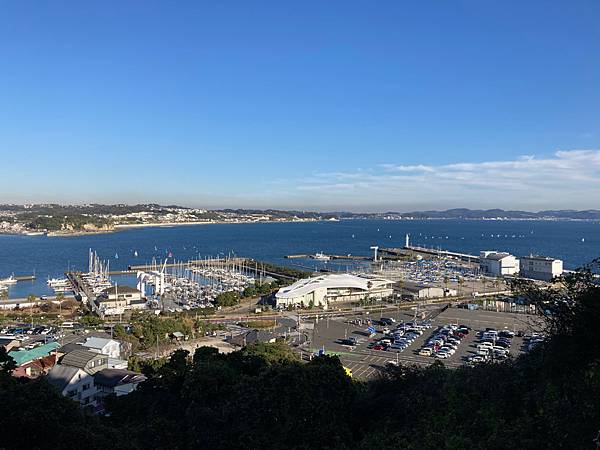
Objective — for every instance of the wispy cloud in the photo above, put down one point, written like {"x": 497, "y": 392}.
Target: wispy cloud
{"x": 566, "y": 179}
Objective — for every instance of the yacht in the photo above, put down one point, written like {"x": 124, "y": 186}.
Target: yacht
{"x": 322, "y": 256}
{"x": 9, "y": 280}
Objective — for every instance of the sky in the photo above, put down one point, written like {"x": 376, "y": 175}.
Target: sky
{"x": 315, "y": 105}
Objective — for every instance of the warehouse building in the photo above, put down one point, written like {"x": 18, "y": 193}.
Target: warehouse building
{"x": 541, "y": 267}
{"x": 325, "y": 289}
{"x": 497, "y": 264}
{"x": 414, "y": 291}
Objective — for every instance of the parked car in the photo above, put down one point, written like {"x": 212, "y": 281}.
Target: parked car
{"x": 426, "y": 351}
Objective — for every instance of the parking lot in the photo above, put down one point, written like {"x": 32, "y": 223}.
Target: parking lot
{"x": 366, "y": 362}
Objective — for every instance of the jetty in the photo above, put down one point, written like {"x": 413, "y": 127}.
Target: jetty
{"x": 25, "y": 278}
{"x": 348, "y": 257}
{"x": 409, "y": 250}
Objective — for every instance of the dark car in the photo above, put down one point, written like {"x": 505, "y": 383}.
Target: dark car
{"x": 506, "y": 334}
{"x": 348, "y": 341}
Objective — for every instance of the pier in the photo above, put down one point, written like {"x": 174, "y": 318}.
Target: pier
{"x": 404, "y": 251}
{"x": 349, "y": 257}
{"x": 191, "y": 263}
{"x": 25, "y": 278}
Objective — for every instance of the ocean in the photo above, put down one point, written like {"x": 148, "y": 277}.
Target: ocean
{"x": 575, "y": 242}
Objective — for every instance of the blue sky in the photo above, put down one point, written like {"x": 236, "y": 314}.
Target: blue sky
{"x": 388, "y": 105}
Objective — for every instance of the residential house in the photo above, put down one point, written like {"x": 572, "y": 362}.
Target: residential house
{"x": 252, "y": 336}
{"x": 116, "y": 381}
{"x": 25, "y": 356}
{"x": 74, "y": 383}
{"x": 108, "y": 347}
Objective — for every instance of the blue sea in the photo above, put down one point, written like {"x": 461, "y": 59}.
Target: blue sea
{"x": 575, "y": 242}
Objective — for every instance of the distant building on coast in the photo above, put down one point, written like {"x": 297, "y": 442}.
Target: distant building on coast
{"x": 497, "y": 264}
{"x": 541, "y": 267}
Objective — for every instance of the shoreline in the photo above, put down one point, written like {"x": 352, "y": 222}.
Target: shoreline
{"x": 126, "y": 226}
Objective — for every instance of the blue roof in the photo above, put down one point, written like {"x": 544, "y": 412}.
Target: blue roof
{"x": 24, "y": 356}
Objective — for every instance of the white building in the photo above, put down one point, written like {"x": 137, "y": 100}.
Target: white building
{"x": 74, "y": 383}
{"x": 323, "y": 289}
{"x": 116, "y": 381}
{"x": 116, "y": 299}
{"x": 497, "y": 264}
{"x": 108, "y": 347}
{"x": 412, "y": 291}
{"x": 541, "y": 267}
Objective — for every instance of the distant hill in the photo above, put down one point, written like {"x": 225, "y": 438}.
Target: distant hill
{"x": 30, "y": 212}
{"x": 465, "y": 213}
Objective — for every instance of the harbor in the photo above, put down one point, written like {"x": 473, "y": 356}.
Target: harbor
{"x": 346, "y": 243}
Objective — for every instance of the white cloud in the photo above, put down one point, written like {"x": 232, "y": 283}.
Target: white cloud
{"x": 568, "y": 179}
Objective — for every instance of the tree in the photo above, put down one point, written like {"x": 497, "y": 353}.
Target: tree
{"x": 7, "y": 363}
{"x": 227, "y": 299}
{"x": 460, "y": 282}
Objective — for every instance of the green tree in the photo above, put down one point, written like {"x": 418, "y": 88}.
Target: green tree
{"x": 227, "y": 299}
{"x": 7, "y": 363}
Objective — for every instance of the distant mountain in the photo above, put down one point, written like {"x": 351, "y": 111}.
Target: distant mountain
{"x": 32, "y": 211}
{"x": 465, "y": 213}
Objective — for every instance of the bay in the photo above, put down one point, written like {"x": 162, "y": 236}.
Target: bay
{"x": 575, "y": 242}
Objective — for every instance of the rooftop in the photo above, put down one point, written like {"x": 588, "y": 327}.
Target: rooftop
{"x": 24, "y": 356}
{"x": 120, "y": 290}
{"x": 97, "y": 342}
{"x": 115, "y": 377}
{"x": 540, "y": 258}
{"x": 497, "y": 256}
{"x": 79, "y": 358}
{"x": 306, "y": 285}
{"x": 60, "y": 376}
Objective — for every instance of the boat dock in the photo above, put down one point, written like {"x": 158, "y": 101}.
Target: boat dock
{"x": 348, "y": 257}
{"x": 406, "y": 250}
{"x": 193, "y": 262}
{"x": 25, "y": 278}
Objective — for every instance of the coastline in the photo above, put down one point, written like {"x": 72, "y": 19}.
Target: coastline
{"x": 125, "y": 226}
{"x": 121, "y": 227}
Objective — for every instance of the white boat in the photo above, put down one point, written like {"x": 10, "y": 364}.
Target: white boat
{"x": 322, "y": 256}
{"x": 9, "y": 280}
{"x": 58, "y": 281}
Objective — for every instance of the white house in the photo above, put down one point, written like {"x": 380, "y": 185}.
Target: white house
{"x": 108, "y": 347}
{"x": 74, "y": 383}
{"x": 541, "y": 267}
{"x": 324, "y": 289}
{"x": 116, "y": 381}
{"x": 497, "y": 264}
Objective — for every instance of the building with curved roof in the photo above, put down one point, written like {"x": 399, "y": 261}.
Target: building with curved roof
{"x": 324, "y": 289}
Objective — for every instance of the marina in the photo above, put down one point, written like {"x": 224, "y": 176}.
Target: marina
{"x": 50, "y": 258}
